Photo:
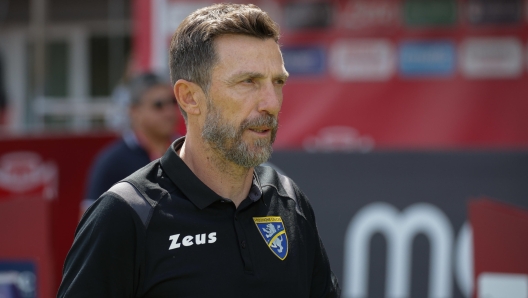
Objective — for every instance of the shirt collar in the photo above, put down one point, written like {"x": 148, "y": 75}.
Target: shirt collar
{"x": 191, "y": 186}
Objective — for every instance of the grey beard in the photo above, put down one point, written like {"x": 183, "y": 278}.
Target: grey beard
{"x": 227, "y": 140}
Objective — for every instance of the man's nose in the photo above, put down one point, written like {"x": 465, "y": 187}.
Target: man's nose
{"x": 271, "y": 99}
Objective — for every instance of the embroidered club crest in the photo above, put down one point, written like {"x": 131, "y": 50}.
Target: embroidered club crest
{"x": 274, "y": 233}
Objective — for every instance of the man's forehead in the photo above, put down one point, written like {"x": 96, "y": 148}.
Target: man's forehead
{"x": 246, "y": 54}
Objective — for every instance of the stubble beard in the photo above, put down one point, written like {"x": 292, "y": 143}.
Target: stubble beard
{"x": 226, "y": 139}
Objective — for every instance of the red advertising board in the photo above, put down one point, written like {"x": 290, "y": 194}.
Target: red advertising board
{"x": 500, "y": 246}
{"x": 385, "y": 74}
{"x": 48, "y": 174}
{"x": 26, "y": 253}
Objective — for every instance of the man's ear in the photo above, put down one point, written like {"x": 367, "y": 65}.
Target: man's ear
{"x": 189, "y": 95}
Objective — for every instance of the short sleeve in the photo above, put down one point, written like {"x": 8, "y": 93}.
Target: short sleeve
{"x": 324, "y": 282}
{"x": 107, "y": 253}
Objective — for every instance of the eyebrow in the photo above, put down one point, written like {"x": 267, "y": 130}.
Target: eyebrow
{"x": 254, "y": 75}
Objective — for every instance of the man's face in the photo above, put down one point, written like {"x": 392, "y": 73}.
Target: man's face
{"x": 244, "y": 99}
{"x": 156, "y": 113}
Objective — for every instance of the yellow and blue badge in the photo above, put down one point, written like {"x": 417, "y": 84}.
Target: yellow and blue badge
{"x": 274, "y": 233}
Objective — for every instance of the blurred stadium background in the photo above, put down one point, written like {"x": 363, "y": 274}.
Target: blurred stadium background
{"x": 404, "y": 121}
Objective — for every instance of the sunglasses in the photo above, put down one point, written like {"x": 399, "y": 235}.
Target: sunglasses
{"x": 159, "y": 104}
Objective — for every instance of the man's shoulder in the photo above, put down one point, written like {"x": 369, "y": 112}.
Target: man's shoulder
{"x": 109, "y": 212}
{"x": 142, "y": 190}
{"x": 274, "y": 181}
{"x": 137, "y": 201}
{"x": 270, "y": 177}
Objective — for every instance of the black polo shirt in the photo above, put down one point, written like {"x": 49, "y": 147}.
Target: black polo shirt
{"x": 163, "y": 233}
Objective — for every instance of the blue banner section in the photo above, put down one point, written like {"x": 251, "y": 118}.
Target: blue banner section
{"x": 18, "y": 279}
{"x": 427, "y": 58}
{"x": 304, "y": 61}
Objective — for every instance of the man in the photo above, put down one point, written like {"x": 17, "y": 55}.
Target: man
{"x": 205, "y": 220}
{"x": 153, "y": 115}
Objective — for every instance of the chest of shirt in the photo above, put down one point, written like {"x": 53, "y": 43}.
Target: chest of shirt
{"x": 261, "y": 247}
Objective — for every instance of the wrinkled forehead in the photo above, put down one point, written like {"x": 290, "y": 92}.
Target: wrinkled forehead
{"x": 235, "y": 53}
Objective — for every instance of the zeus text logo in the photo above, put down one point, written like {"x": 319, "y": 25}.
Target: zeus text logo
{"x": 191, "y": 240}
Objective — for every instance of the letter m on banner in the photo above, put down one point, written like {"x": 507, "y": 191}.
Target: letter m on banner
{"x": 399, "y": 230}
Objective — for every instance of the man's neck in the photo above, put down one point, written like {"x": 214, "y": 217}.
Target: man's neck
{"x": 225, "y": 178}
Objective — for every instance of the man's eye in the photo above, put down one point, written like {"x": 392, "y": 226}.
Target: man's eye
{"x": 249, "y": 81}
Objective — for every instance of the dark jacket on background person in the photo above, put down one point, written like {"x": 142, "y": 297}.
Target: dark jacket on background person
{"x": 115, "y": 162}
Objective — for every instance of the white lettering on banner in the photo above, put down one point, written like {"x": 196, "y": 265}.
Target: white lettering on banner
{"x": 464, "y": 260}
{"x": 362, "y": 59}
{"x": 365, "y": 14}
{"x": 502, "y": 285}
{"x": 25, "y": 281}
{"x": 188, "y": 240}
{"x": 338, "y": 138}
{"x": 399, "y": 231}
{"x": 25, "y": 171}
{"x": 492, "y": 57}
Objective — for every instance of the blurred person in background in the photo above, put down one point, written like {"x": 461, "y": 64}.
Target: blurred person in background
{"x": 118, "y": 118}
{"x": 153, "y": 114}
{"x": 206, "y": 220}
